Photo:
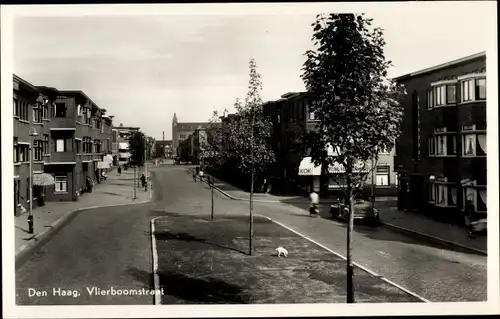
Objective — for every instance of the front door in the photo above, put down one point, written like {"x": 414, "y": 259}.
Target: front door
{"x": 16, "y": 194}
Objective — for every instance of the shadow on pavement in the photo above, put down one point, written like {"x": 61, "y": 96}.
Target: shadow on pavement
{"x": 166, "y": 235}
{"x": 199, "y": 290}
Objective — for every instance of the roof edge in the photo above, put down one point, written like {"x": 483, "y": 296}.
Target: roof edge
{"x": 441, "y": 66}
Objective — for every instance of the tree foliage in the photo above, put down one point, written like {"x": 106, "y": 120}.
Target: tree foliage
{"x": 354, "y": 101}
{"x": 137, "y": 147}
{"x": 233, "y": 141}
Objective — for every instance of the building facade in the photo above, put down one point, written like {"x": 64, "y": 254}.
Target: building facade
{"x": 63, "y": 131}
{"x": 121, "y": 144}
{"x": 441, "y": 154}
{"x": 164, "y": 148}
{"x": 181, "y": 131}
{"x": 291, "y": 118}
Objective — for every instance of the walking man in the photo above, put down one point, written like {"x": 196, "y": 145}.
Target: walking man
{"x": 314, "y": 197}
{"x": 143, "y": 181}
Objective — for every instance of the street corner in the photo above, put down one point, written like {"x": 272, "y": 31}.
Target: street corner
{"x": 209, "y": 262}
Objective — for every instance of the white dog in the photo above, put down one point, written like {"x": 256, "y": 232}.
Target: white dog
{"x": 283, "y": 251}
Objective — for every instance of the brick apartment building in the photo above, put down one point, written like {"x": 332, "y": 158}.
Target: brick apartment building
{"x": 441, "y": 154}
{"x": 291, "y": 116}
{"x": 181, "y": 131}
{"x": 69, "y": 146}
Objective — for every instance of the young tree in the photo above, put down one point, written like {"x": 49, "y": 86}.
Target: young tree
{"x": 249, "y": 140}
{"x": 137, "y": 147}
{"x": 354, "y": 101}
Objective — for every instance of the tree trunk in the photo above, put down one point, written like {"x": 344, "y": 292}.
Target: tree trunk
{"x": 350, "y": 268}
{"x": 251, "y": 214}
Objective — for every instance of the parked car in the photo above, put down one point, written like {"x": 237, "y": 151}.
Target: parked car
{"x": 363, "y": 212}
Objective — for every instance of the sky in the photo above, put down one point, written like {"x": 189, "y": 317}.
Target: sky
{"x": 142, "y": 69}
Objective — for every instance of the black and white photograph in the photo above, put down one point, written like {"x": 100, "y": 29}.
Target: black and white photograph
{"x": 280, "y": 159}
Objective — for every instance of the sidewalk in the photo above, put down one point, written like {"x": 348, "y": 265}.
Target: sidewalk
{"x": 413, "y": 223}
{"x": 206, "y": 262}
{"x": 410, "y": 223}
{"x": 113, "y": 191}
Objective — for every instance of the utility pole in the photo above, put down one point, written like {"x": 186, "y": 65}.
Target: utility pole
{"x": 373, "y": 182}
{"x": 32, "y": 133}
{"x": 163, "y": 145}
{"x": 145, "y": 158}
{"x": 212, "y": 194}
{"x": 135, "y": 186}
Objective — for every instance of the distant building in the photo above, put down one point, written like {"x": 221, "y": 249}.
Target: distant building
{"x": 290, "y": 117}
{"x": 441, "y": 153}
{"x": 164, "y": 148}
{"x": 181, "y": 131}
{"x": 121, "y": 146}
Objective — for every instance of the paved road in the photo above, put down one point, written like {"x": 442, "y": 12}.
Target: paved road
{"x": 111, "y": 247}
{"x": 100, "y": 248}
{"x": 436, "y": 273}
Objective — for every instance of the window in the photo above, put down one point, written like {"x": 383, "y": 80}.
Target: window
{"x": 78, "y": 145}
{"x": 16, "y": 151}
{"x": 45, "y": 111}
{"x": 23, "y": 153}
{"x": 60, "y": 145}
{"x": 431, "y": 193}
{"x": 45, "y": 144}
{"x": 60, "y": 110}
{"x": 450, "y": 94}
{"x": 441, "y": 194}
{"x": 439, "y": 95}
{"x": 79, "y": 110}
{"x": 467, "y": 88}
{"x": 37, "y": 150}
{"x": 432, "y": 147}
{"x": 23, "y": 110}
{"x": 384, "y": 151}
{"x": 61, "y": 185}
{"x": 430, "y": 99}
{"x": 87, "y": 145}
{"x": 16, "y": 107}
{"x": 452, "y": 198}
{"x": 382, "y": 175}
{"x": 37, "y": 113}
{"x": 441, "y": 145}
{"x": 480, "y": 90}
{"x": 312, "y": 115}
{"x": 477, "y": 196}
{"x": 473, "y": 144}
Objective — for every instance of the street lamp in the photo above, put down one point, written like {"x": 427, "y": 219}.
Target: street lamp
{"x": 32, "y": 134}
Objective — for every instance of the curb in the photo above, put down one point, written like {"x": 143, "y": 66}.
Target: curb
{"x": 42, "y": 237}
{"x": 434, "y": 239}
{"x": 156, "y": 278}
{"x": 354, "y": 263}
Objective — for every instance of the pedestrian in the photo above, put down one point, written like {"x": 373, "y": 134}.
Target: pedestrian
{"x": 143, "y": 180}
{"x": 119, "y": 170}
{"x": 314, "y": 197}
{"x": 201, "y": 175}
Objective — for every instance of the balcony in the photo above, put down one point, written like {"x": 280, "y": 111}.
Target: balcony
{"x": 62, "y": 122}
{"x": 61, "y": 157}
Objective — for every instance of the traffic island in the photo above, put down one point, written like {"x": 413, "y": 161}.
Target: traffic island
{"x": 203, "y": 262}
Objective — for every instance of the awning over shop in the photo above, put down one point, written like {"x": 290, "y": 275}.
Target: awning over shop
{"x": 108, "y": 158}
{"x": 103, "y": 165}
{"x": 123, "y": 146}
{"x": 43, "y": 179}
{"x": 307, "y": 168}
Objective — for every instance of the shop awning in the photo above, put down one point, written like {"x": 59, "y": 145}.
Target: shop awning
{"x": 103, "y": 165}
{"x": 123, "y": 146}
{"x": 307, "y": 168}
{"x": 108, "y": 158}
{"x": 43, "y": 179}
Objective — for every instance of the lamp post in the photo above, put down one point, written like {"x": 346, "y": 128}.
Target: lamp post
{"x": 145, "y": 158}
{"x": 32, "y": 134}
